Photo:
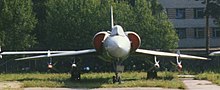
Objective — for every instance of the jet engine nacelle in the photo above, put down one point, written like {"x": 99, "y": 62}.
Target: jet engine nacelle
{"x": 135, "y": 40}
{"x": 98, "y": 40}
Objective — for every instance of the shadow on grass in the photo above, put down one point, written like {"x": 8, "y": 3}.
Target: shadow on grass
{"x": 29, "y": 79}
{"x": 165, "y": 78}
{"x": 89, "y": 83}
{"x": 68, "y": 83}
{"x": 158, "y": 78}
{"x": 129, "y": 79}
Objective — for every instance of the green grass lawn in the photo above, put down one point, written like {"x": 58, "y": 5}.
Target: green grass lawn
{"x": 211, "y": 76}
{"x": 95, "y": 80}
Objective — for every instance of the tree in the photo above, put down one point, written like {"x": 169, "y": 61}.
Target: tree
{"x": 17, "y": 23}
{"x": 68, "y": 21}
{"x": 212, "y": 9}
{"x": 69, "y": 24}
{"x": 40, "y": 10}
{"x": 154, "y": 28}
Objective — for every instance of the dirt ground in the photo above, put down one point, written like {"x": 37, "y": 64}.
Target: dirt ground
{"x": 10, "y": 85}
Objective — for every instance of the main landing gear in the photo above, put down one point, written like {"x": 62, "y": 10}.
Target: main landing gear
{"x": 152, "y": 72}
{"x": 75, "y": 73}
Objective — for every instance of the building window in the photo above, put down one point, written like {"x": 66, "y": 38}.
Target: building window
{"x": 216, "y": 32}
{"x": 199, "y": 33}
{"x": 180, "y": 13}
{"x": 198, "y": 13}
{"x": 181, "y": 32}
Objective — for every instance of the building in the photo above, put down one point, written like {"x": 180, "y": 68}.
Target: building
{"x": 188, "y": 19}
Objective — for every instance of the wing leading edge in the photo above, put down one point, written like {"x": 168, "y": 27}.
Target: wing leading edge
{"x": 31, "y": 52}
{"x": 68, "y": 53}
{"x": 65, "y": 53}
{"x": 157, "y": 53}
{"x": 216, "y": 53}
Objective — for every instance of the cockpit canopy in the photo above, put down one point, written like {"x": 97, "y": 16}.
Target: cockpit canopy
{"x": 117, "y": 30}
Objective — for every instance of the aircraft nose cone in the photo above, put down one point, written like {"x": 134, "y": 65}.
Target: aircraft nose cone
{"x": 118, "y": 47}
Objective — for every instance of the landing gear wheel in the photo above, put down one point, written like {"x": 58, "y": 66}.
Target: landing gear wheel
{"x": 116, "y": 79}
{"x": 152, "y": 74}
{"x": 119, "y": 80}
{"x": 75, "y": 73}
{"x": 75, "y": 76}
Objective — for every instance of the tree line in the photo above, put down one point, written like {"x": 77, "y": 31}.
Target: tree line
{"x": 71, "y": 24}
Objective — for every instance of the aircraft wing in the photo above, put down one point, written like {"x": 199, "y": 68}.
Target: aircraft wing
{"x": 158, "y": 53}
{"x": 31, "y": 52}
{"x": 67, "y": 53}
{"x": 216, "y": 53}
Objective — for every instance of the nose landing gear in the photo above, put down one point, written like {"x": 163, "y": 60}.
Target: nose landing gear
{"x": 118, "y": 69}
{"x": 116, "y": 78}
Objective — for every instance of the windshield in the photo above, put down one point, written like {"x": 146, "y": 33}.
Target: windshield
{"x": 117, "y": 30}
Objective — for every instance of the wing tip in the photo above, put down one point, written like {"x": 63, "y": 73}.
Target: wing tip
{"x": 212, "y": 54}
{"x": 19, "y": 59}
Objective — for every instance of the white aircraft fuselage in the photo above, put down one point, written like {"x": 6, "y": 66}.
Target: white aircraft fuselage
{"x": 117, "y": 44}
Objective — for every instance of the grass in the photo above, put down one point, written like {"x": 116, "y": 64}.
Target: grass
{"x": 211, "y": 76}
{"x": 95, "y": 80}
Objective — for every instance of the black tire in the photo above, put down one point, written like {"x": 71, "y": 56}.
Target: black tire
{"x": 119, "y": 80}
{"x": 151, "y": 74}
{"x": 114, "y": 79}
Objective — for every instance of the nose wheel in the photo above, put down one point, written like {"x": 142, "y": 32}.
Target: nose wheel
{"x": 116, "y": 78}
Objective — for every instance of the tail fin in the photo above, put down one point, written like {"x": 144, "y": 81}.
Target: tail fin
{"x": 112, "y": 23}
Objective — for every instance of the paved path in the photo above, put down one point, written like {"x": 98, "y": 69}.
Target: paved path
{"x": 199, "y": 84}
{"x": 133, "y": 88}
{"x": 9, "y": 84}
